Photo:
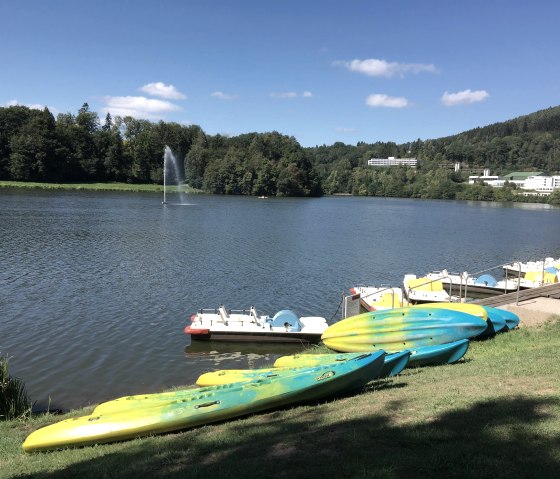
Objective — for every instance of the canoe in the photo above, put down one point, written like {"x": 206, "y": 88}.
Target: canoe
{"x": 495, "y": 321}
{"x": 310, "y": 360}
{"x": 393, "y": 365}
{"x": 511, "y": 319}
{"x": 404, "y": 328}
{"x": 439, "y": 354}
{"x": 211, "y": 384}
{"x": 216, "y": 404}
{"x": 428, "y": 355}
{"x": 474, "y": 309}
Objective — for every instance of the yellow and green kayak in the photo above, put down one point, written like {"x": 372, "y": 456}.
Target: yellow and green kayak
{"x": 447, "y": 353}
{"x": 403, "y": 328}
{"x": 393, "y": 364}
{"x": 136, "y": 416}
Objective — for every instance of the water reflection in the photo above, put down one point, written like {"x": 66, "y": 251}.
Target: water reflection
{"x": 96, "y": 288}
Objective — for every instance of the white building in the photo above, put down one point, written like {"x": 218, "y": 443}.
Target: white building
{"x": 491, "y": 180}
{"x": 392, "y": 161}
{"x": 542, "y": 184}
{"x": 533, "y": 184}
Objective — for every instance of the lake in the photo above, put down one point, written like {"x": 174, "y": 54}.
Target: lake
{"x": 96, "y": 287}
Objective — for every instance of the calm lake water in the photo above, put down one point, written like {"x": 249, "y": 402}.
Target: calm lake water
{"x": 96, "y": 288}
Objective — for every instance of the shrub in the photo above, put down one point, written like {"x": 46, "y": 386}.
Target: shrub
{"x": 14, "y": 401}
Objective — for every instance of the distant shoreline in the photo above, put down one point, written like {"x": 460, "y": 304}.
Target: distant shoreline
{"x": 150, "y": 188}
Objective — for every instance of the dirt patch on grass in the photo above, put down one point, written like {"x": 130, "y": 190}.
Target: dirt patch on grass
{"x": 535, "y": 312}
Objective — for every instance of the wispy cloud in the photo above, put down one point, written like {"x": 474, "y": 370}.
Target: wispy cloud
{"x": 291, "y": 94}
{"x": 286, "y": 94}
{"x": 464, "y": 97}
{"x": 161, "y": 90}
{"x": 224, "y": 96}
{"x": 346, "y": 130}
{"x": 381, "y": 68}
{"x": 33, "y": 106}
{"x": 137, "y": 106}
{"x": 378, "y": 100}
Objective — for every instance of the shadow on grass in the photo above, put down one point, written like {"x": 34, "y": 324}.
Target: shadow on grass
{"x": 494, "y": 439}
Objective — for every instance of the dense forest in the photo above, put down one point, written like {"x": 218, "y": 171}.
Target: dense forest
{"x": 36, "y": 146}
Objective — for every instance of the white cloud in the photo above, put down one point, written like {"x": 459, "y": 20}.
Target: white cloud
{"x": 381, "y": 100}
{"x": 162, "y": 90}
{"x": 382, "y": 68}
{"x": 286, "y": 94}
{"x": 291, "y": 94}
{"x": 33, "y": 106}
{"x": 464, "y": 97}
{"x": 137, "y": 106}
{"x": 224, "y": 96}
{"x": 346, "y": 130}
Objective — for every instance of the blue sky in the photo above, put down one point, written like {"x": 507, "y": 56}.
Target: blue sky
{"x": 321, "y": 71}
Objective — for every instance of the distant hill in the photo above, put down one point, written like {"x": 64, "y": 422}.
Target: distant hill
{"x": 529, "y": 142}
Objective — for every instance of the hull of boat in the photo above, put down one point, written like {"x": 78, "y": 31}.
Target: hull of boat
{"x": 398, "y": 329}
{"x": 510, "y": 319}
{"x": 140, "y": 417}
{"x": 393, "y": 365}
{"x": 310, "y": 360}
{"x": 252, "y": 336}
{"x": 440, "y": 354}
{"x": 474, "y": 309}
{"x": 428, "y": 355}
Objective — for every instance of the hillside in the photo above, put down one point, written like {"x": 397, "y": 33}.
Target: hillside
{"x": 37, "y": 147}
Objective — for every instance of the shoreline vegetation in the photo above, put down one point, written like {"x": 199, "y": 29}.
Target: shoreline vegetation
{"x": 98, "y": 187}
{"x": 494, "y": 414}
{"x": 553, "y": 200}
{"x": 80, "y": 149}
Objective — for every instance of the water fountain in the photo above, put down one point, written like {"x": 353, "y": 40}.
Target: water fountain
{"x": 168, "y": 160}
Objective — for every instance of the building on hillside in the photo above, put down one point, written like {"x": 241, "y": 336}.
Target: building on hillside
{"x": 533, "y": 183}
{"x": 462, "y": 167}
{"x": 392, "y": 161}
{"x": 519, "y": 177}
{"x": 492, "y": 180}
{"x": 542, "y": 184}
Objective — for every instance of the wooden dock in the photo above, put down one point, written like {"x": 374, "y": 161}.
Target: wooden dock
{"x": 549, "y": 291}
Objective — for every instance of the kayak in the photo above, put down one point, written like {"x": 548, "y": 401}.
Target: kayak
{"x": 496, "y": 322}
{"x": 393, "y": 365}
{"x": 511, "y": 319}
{"x": 474, "y": 309}
{"x": 440, "y": 354}
{"x": 148, "y": 414}
{"x": 428, "y": 355}
{"x": 404, "y": 328}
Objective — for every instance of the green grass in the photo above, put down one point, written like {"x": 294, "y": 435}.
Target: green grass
{"x": 496, "y": 414}
{"x": 95, "y": 186}
{"x": 14, "y": 401}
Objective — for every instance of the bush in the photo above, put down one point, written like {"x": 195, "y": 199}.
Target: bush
{"x": 14, "y": 401}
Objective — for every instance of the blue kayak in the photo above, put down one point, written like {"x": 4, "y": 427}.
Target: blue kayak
{"x": 511, "y": 319}
{"x": 395, "y": 363}
{"x": 448, "y": 353}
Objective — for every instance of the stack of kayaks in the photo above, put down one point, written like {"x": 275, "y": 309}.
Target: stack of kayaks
{"x": 495, "y": 318}
{"x": 412, "y": 336}
{"x": 448, "y": 353}
{"x": 393, "y": 365}
{"x": 403, "y": 328}
{"x": 136, "y": 416}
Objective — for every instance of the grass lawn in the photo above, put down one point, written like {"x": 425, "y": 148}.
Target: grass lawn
{"x": 496, "y": 414}
{"x": 94, "y": 186}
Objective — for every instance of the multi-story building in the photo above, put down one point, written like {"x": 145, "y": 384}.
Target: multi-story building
{"x": 392, "y": 161}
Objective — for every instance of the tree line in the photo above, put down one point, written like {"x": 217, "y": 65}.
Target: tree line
{"x": 36, "y": 146}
